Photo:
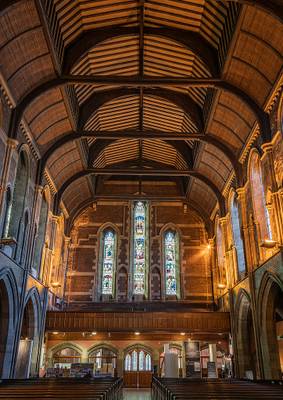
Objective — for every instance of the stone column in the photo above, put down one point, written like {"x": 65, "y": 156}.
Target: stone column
{"x": 64, "y": 264}
{"x": 213, "y": 268}
{"x": 11, "y": 145}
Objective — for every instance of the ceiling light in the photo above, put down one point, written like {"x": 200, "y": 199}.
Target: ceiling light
{"x": 182, "y": 333}
{"x": 137, "y": 333}
{"x": 93, "y": 333}
{"x": 55, "y": 333}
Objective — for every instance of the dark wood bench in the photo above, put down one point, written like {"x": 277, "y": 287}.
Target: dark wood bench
{"x": 183, "y": 389}
{"x": 62, "y": 389}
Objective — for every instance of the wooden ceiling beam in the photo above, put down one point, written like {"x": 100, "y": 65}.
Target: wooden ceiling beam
{"x": 139, "y": 172}
{"x": 152, "y": 84}
{"x": 272, "y": 7}
{"x": 193, "y": 41}
{"x": 181, "y": 100}
{"x": 148, "y": 135}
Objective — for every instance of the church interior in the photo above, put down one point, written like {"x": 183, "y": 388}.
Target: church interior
{"x": 141, "y": 199}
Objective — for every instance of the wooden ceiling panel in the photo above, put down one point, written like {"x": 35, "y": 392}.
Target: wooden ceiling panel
{"x": 80, "y": 15}
{"x": 215, "y": 165}
{"x": 78, "y": 192}
{"x": 258, "y": 54}
{"x": 199, "y": 190}
{"x": 64, "y": 163}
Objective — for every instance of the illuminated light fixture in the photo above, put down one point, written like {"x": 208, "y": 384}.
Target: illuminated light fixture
{"x": 55, "y": 333}
{"x": 93, "y": 333}
{"x": 208, "y": 246}
{"x": 221, "y": 286}
{"x": 182, "y": 333}
{"x": 137, "y": 333}
{"x": 55, "y": 284}
{"x": 268, "y": 243}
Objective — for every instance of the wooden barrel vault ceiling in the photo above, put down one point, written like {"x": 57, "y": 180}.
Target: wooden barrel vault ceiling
{"x": 172, "y": 88}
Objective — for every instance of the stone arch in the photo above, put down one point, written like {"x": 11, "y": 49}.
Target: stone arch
{"x": 245, "y": 338}
{"x": 105, "y": 345}
{"x": 270, "y": 310}
{"x": 28, "y": 351}
{"x": 9, "y": 307}
{"x": 61, "y": 346}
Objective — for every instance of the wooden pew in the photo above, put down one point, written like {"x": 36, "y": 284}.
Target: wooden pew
{"x": 62, "y": 388}
{"x": 183, "y": 389}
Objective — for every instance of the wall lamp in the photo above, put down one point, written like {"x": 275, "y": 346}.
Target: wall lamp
{"x": 268, "y": 243}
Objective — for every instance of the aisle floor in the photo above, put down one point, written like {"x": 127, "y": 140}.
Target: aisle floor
{"x": 136, "y": 394}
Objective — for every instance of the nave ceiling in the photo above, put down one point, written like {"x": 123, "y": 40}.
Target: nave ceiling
{"x": 114, "y": 84}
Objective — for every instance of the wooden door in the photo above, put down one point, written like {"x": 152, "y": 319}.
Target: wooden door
{"x": 137, "y": 379}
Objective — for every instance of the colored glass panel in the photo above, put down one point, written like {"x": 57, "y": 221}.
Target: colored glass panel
{"x": 139, "y": 248}
{"x": 108, "y": 262}
{"x": 170, "y": 263}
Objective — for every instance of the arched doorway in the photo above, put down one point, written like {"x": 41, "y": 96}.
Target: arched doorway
{"x": 137, "y": 367}
{"x": 27, "y": 356}
{"x": 8, "y": 313}
{"x": 4, "y": 323}
{"x": 246, "y": 348}
{"x": 104, "y": 361}
{"x": 271, "y": 318}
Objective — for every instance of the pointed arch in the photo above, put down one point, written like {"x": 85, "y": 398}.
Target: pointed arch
{"x": 269, "y": 304}
{"x": 260, "y": 210}
{"x": 237, "y": 234}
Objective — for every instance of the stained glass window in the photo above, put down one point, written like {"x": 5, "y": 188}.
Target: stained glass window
{"x": 238, "y": 242}
{"x": 139, "y": 248}
{"x": 141, "y": 360}
{"x": 147, "y": 362}
{"x": 108, "y": 262}
{"x": 128, "y": 360}
{"x": 170, "y": 250}
{"x": 134, "y": 361}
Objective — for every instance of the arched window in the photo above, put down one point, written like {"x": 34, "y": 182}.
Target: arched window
{"x": 140, "y": 261}
{"x": 19, "y": 196}
{"x": 65, "y": 357}
{"x": 171, "y": 262}
{"x": 109, "y": 262}
{"x": 40, "y": 236}
{"x": 258, "y": 197}
{"x": 7, "y": 213}
{"x": 104, "y": 360}
{"x": 220, "y": 253}
{"x": 137, "y": 360}
{"x": 237, "y": 237}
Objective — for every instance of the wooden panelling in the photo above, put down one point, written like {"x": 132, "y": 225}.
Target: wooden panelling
{"x": 138, "y": 321}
